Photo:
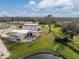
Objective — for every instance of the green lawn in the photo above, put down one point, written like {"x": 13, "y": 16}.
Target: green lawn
{"x": 3, "y": 25}
{"x": 44, "y": 43}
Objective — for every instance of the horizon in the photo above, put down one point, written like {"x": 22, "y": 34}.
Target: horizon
{"x": 39, "y": 8}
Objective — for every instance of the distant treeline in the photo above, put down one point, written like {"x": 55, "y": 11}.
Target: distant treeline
{"x": 6, "y": 19}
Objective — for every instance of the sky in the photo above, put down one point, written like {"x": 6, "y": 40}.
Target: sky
{"x": 60, "y": 8}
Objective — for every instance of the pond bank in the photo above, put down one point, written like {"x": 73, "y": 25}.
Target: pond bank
{"x": 44, "y": 55}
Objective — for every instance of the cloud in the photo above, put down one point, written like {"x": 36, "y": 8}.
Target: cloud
{"x": 45, "y": 14}
{"x": 15, "y": 13}
{"x": 3, "y": 13}
{"x": 52, "y": 3}
{"x": 33, "y": 14}
{"x": 71, "y": 14}
{"x": 45, "y": 7}
{"x": 32, "y": 2}
{"x": 51, "y": 6}
{"x": 12, "y": 13}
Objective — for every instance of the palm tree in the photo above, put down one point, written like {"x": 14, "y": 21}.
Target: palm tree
{"x": 49, "y": 21}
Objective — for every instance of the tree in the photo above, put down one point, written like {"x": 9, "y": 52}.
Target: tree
{"x": 49, "y": 21}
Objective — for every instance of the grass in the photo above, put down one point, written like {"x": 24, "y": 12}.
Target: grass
{"x": 3, "y": 25}
{"x": 44, "y": 43}
{"x": 75, "y": 43}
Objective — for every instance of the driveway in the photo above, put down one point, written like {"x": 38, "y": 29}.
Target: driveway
{"x": 4, "y": 53}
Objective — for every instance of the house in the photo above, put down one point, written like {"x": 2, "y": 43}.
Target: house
{"x": 21, "y": 34}
{"x": 31, "y": 26}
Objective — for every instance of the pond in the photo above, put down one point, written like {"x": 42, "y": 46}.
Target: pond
{"x": 43, "y": 56}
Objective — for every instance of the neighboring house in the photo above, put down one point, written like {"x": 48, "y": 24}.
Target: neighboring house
{"x": 4, "y": 53}
{"x": 31, "y": 26}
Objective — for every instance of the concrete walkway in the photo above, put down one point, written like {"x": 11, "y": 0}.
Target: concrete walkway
{"x": 4, "y": 53}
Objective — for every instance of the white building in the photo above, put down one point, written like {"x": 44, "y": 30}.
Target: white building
{"x": 3, "y": 51}
{"x": 31, "y": 26}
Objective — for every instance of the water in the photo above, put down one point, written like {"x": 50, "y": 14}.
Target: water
{"x": 44, "y": 56}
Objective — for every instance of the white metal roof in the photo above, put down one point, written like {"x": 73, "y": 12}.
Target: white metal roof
{"x": 30, "y": 24}
{"x": 20, "y": 31}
